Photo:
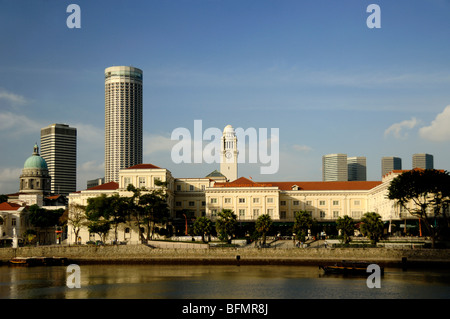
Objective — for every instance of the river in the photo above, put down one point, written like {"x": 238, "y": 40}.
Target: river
{"x": 216, "y": 282}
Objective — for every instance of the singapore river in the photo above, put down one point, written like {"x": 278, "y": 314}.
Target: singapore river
{"x": 216, "y": 282}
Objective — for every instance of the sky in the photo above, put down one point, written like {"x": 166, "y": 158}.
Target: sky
{"x": 314, "y": 70}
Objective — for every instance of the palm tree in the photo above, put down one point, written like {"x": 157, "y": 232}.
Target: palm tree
{"x": 347, "y": 226}
{"x": 202, "y": 226}
{"x": 263, "y": 224}
{"x": 226, "y": 224}
{"x": 372, "y": 227}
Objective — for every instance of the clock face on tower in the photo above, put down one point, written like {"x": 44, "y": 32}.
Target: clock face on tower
{"x": 228, "y": 155}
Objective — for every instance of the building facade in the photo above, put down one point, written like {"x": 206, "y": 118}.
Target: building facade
{"x": 123, "y": 119}
{"x": 59, "y": 149}
{"x": 334, "y": 168}
{"x": 357, "y": 168}
{"x": 424, "y": 161}
{"x": 390, "y": 163}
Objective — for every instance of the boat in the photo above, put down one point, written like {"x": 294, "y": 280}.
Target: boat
{"x": 38, "y": 261}
{"x": 349, "y": 268}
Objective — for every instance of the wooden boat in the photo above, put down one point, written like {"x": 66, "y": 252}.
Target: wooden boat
{"x": 38, "y": 261}
{"x": 358, "y": 268}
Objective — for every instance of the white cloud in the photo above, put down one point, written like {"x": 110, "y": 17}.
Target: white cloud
{"x": 398, "y": 129}
{"x": 19, "y": 124}
{"x": 439, "y": 129}
{"x": 301, "y": 148}
{"x": 9, "y": 180}
{"x": 154, "y": 143}
{"x": 12, "y": 97}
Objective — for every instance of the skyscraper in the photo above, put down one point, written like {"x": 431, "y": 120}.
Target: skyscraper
{"x": 424, "y": 161}
{"x": 334, "y": 167}
{"x": 357, "y": 168}
{"x": 123, "y": 119}
{"x": 59, "y": 149}
{"x": 390, "y": 163}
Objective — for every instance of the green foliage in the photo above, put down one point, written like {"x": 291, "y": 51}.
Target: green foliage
{"x": 202, "y": 226}
{"x": 347, "y": 227}
{"x": 3, "y": 198}
{"x": 303, "y": 222}
{"x": 43, "y": 218}
{"x": 263, "y": 225}
{"x": 372, "y": 227}
{"x": 425, "y": 194}
{"x": 226, "y": 225}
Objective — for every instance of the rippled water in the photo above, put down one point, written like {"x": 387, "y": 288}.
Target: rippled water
{"x": 216, "y": 282}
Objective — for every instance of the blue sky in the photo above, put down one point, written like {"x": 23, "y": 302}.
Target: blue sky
{"x": 313, "y": 69}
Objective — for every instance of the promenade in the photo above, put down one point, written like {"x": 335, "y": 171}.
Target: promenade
{"x": 285, "y": 253}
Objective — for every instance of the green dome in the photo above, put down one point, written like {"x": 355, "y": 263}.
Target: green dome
{"x": 35, "y": 161}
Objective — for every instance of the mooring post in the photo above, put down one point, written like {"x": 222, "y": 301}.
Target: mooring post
{"x": 404, "y": 262}
{"x": 237, "y": 259}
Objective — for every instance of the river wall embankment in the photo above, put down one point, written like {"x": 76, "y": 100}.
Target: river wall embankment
{"x": 203, "y": 254}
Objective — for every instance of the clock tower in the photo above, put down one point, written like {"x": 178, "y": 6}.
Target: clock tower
{"x": 229, "y": 153}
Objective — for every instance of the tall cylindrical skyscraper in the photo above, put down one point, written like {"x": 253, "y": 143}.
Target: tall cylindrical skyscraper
{"x": 123, "y": 119}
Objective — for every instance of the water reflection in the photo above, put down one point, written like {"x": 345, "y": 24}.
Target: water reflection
{"x": 216, "y": 282}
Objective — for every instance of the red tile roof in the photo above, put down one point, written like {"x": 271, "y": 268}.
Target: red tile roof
{"x": 143, "y": 166}
{"x": 106, "y": 186}
{"x": 353, "y": 185}
{"x": 9, "y": 206}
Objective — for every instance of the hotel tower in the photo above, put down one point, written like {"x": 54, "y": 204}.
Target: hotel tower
{"x": 123, "y": 119}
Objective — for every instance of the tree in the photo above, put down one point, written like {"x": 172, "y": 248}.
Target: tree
{"x": 226, "y": 224}
{"x": 147, "y": 209}
{"x": 303, "y": 222}
{"x": 100, "y": 227}
{"x": 3, "y": 198}
{"x": 44, "y": 218}
{"x": 77, "y": 218}
{"x": 347, "y": 226}
{"x": 372, "y": 227}
{"x": 263, "y": 225}
{"x": 106, "y": 210}
{"x": 202, "y": 226}
{"x": 29, "y": 235}
{"x": 425, "y": 194}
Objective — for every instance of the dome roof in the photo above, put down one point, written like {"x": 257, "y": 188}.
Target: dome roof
{"x": 228, "y": 128}
{"x": 35, "y": 161}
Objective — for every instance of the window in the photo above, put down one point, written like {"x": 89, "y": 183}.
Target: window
{"x": 203, "y": 203}
{"x": 178, "y": 187}
{"x": 357, "y": 202}
{"x": 126, "y": 181}
{"x": 335, "y": 203}
{"x": 191, "y": 203}
{"x": 13, "y": 222}
{"x": 178, "y": 204}
{"x": 241, "y": 200}
{"x": 227, "y": 200}
{"x": 270, "y": 211}
{"x": 296, "y": 202}
{"x": 213, "y": 212}
{"x": 255, "y": 200}
{"x": 335, "y": 214}
{"x": 283, "y": 215}
{"x": 241, "y": 212}
{"x": 322, "y": 203}
{"x": 283, "y": 203}
{"x": 213, "y": 200}
{"x": 270, "y": 199}
{"x": 356, "y": 214}
{"x": 141, "y": 182}
{"x": 308, "y": 202}
{"x": 203, "y": 187}
{"x": 255, "y": 213}
{"x": 322, "y": 214}
{"x": 191, "y": 187}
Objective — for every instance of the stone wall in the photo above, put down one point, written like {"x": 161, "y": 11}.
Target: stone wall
{"x": 144, "y": 253}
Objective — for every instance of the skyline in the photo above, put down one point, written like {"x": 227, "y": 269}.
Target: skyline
{"x": 313, "y": 70}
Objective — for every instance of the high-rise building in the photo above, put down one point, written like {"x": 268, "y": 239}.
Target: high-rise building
{"x": 59, "y": 149}
{"x": 334, "y": 167}
{"x": 357, "y": 168}
{"x": 424, "y": 161}
{"x": 390, "y": 163}
{"x": 229, "y": 153}
{"x": 123, "y": 119}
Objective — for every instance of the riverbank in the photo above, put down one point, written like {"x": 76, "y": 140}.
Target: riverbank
{"x": 142, "y": 254}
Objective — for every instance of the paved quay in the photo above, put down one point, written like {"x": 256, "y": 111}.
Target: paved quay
{"x": 180, "y": 253}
